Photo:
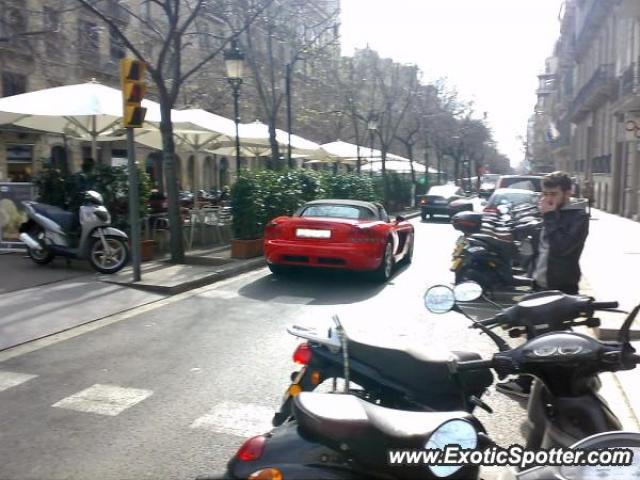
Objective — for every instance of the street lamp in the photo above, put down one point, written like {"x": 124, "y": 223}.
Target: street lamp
{"x": 372, "y": 126}
{"x": 234, "y": 61}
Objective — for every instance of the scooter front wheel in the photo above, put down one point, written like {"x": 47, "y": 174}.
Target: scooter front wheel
{"x": 109, "y": 260}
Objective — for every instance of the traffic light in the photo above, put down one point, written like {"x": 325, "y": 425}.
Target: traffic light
{"x": 133, "y": 90}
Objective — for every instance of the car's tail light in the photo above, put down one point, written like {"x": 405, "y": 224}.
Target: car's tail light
{"x": 272, "y": 230}
{"x": 251, "y": 449}
{"x": 490, "y": 210}
{"x": 365, "y": 235}
{"x": 302, "y": 355}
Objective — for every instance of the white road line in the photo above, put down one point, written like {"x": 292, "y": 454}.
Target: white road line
{"x": 12, "y": 379}
{"x": 241, "y": 419}
{"x": 104, "y": 399}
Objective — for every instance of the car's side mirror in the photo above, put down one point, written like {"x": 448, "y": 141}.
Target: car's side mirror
{"x": 400, "y": 218}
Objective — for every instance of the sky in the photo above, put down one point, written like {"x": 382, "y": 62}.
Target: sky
{"x": 490, "y": 51}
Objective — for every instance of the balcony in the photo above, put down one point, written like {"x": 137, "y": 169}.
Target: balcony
{"x": 600, "y": 87}
{"x": 629, "y": 89}
{"x": 597, "y": 11}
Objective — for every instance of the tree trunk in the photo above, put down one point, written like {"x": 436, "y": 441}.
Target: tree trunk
{"x": 276, "y": 161}
{"x": 176, "y": 244}
{"x": 410, "y": 155}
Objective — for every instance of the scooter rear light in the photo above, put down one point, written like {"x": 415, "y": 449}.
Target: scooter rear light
{"x": 302, "y": 355}
{"x": 251, "y": 449}
{"x": 266, "y": 474}
{"x": 491, "y": 210}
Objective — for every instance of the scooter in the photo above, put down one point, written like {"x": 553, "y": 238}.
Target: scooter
{"x": 407, "y": 379}
{"x": 344, "y": 437}
{"x": 51, "y": 231}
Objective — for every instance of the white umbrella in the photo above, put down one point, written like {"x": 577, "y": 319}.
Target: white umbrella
{"x": 194, "y": 129}
{"x": 254, "y": 138}
{"x": 340, "y": 151}
{"x": 88, "y": 111}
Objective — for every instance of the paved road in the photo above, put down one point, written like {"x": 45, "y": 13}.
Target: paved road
{"x": 172, "y": 392}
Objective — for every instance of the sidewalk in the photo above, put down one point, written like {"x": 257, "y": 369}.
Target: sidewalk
{"x": 611, "y": 265}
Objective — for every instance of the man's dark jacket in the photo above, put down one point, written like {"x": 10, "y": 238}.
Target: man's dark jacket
{"x": 564, "y": 232}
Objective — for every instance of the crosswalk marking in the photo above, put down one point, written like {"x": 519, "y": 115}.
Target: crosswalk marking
{"x": 104, "y": 399}
{"x": 241, "y": 419}
{"x": 11, "y": 379}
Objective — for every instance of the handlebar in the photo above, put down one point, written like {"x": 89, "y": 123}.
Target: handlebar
{"x": 475, "y": 365}
{"x": 604, "y": 305}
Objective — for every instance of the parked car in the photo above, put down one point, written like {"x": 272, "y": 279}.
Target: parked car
{"x": 437, "y": 200}
{"x": 339, "y": 234}
{"x": 521, "y": 182}
{"x": 512, "y": 196}
{"x": 488, "y": 184}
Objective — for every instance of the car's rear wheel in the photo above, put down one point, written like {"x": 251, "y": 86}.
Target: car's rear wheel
{"x": 385, "y": 270}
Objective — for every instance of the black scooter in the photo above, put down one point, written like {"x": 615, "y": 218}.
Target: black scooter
{"x": 414, "y": 380}
{"x": 344, "y": 437}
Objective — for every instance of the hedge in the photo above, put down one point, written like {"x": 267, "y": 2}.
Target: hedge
{"x": 259, "y": 196}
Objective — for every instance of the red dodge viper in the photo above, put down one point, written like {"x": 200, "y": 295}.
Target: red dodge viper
{"x": 342, "y": 234}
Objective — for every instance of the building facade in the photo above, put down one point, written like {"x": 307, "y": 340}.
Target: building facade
{"x": 588, "y": 108}
{"x": 49, "y": 43}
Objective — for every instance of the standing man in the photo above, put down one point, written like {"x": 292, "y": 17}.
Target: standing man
{"x": 565, "y": 229}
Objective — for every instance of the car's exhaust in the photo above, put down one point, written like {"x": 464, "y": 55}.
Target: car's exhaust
{"x": 30, "y": 242}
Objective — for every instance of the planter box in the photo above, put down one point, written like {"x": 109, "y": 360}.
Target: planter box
{"x": 147, "y": 250}
{"x": 246, "y": 248}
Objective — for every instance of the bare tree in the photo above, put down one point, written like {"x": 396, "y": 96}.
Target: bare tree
{"x": 163, "y": 30}
{"x": 293, "y": 29}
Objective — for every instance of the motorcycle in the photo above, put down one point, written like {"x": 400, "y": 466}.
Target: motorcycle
{"x": 404, "y": 378}
{"x": 344, "y": 437}
{"x": 497, "y": 256}
{"x": 51, "y": 231}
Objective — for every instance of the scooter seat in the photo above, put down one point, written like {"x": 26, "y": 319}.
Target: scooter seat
{"x": 67, "y": 220}
{"x": 502, "y": 247}
{"x": 426, "y": 376}
{"x": 346, "y": 420}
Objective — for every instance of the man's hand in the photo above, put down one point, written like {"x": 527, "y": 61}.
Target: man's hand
{"x": 546, "y": 205}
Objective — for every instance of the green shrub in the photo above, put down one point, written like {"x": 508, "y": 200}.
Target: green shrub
{"x": 245, "y": 207}
{"x": 260, "y": 196}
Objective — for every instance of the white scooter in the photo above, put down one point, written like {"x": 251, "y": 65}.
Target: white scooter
{"x": 52, "y": 231}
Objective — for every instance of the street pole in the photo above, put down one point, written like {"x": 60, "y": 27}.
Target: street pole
{"x": 134, "y": 205}
{"x": 288, "y": 93}
{"x": 235, "y": 83}
{"x": 370, "y": 152}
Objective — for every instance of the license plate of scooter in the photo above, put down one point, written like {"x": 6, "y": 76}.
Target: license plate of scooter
{"x": 456, "y": 264}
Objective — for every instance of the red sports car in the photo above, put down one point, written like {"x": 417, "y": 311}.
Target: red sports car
{"x": 341, "y": 234}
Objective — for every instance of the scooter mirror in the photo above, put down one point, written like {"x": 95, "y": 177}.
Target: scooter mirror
{"x": 467, "y": 291}
{"x": 439, "y": 299}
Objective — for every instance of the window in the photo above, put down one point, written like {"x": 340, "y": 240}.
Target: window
{"x": 13, "y": 84}
{"x": 338, "y": 211}
{"x": 19, "y": 163}
{"x": 89, "y": 40}
{"x": 51, "y": 19}
{"x": 116, "y": 46}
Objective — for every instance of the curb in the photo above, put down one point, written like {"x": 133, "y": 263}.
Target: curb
{"x": 216, "y": 276}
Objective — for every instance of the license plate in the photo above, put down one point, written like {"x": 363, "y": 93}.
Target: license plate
{"x": 312, "y": 233}
{"x": 456, "y": 264}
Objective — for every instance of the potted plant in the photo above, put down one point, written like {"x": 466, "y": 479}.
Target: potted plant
{"x": 245, "y": 208}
